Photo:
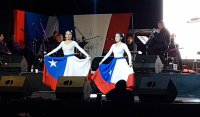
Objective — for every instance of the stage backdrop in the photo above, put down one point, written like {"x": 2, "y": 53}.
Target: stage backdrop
{"x": 98, "y": 29}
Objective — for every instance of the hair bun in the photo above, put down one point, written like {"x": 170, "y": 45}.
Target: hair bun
{"x": 123, "y": 34}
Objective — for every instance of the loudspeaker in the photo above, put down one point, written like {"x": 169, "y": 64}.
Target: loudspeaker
{"x": 155, "y": 89}
{"x": 12, "y": 64}
{"x": 35, "y": 79}
{"x": 97, "y": 60}
{"x": 148, "y": 64}
{"x": 73, "y": 87}
{"x": 15, "y": 87}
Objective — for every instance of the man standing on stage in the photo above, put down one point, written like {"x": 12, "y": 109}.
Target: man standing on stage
{"x": 132, "y": 46}
{"x": 160, "y": 42}
{"x": 3, "y": 46}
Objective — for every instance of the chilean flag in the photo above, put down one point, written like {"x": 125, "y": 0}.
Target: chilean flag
{"x": 53, "y": 68}
{"x": 107, "y": 75}
{"x": 69, "y": 65}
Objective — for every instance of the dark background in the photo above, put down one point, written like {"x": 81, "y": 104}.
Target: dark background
{"x": 146, "y": 12}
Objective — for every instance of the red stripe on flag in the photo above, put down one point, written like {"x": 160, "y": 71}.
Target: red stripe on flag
{"x": 131, "y": 81}
{"x": 48, "y": 79}
{"x": 102, "y": 85}
{"x": 89, "y": 76}
{"x": 118, "y": 23}
{"x": 105, "y": 87}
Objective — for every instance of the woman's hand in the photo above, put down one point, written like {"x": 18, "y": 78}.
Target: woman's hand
{"x": 100, "y": 63}
{"x": 45, "y": 56}
{"x": 88, "y": 57}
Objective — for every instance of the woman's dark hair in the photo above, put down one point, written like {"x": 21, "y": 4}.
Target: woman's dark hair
{"x": 122, "y": 36}
{"x": 55, "y": 32}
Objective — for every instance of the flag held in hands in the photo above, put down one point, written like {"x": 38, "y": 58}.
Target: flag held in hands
{"x": 54, "y": 67}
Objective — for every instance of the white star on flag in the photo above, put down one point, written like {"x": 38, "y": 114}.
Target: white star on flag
{"x": 53, "y": 63}
{"x": 110, "y": 72}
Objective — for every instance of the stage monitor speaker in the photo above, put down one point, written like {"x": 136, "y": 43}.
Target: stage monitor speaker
{"x": 35, "y": 79}
{"x": 155, "y": 89}
{"x": 15, "y": 87}
{"x": 97, "y": 60}
{"x": 148, "y": 64}
{"x": 12, "y": 64}
{"x": 73, "y": 87}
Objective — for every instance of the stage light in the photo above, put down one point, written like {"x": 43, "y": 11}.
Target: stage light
{"x": 182, "y": 18}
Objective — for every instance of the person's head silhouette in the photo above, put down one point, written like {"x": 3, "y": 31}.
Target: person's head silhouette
{"x": 121, "y": 85}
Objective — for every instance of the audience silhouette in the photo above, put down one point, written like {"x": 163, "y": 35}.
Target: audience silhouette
{"x": 120, "y": 98}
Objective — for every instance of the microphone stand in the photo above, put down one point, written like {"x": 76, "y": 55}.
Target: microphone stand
{"x": 43, "y": 41}
{"x": 83, "y": 38}
{"x": 34, "y": 52}
{"x": 33, "y": 67}
{"x": 43, "y": 45}
{"x": 45, "y": 35}
{"x": 92, "y": 38}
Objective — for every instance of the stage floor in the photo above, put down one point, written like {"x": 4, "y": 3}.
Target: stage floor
{"x": 45, "y": 104}
{"x": 50, "y": 95}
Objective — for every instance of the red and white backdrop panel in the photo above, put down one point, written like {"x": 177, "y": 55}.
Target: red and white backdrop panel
{"x": 19, "y": 27}
{"x": 98, "y": 29}
{"x": 103, "y": 25}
